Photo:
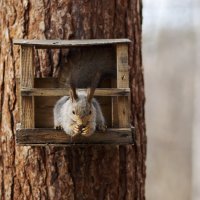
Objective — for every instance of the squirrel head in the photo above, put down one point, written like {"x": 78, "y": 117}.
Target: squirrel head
{"x": 82, "y": 110}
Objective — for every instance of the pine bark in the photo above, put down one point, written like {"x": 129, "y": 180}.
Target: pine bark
{"x": 92, "y": 172}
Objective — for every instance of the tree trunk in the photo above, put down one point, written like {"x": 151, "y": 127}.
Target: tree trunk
{"x": 92, "y": 172}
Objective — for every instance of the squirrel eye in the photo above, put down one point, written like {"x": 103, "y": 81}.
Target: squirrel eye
{"x": 73, "y": 112}
{"x": 90, "y": 112}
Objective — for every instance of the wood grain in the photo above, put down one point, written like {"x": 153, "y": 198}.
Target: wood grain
{"x": 68, "y": 43}
{"x": 123, "y": 82}
{"x": 27, "y": 80}
{"x": 65, "y": 91}
{"x": 53, "y": 136}
{"x": 122, "y": 66}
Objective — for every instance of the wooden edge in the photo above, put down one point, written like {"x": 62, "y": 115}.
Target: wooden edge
{"x": 27, "y": 110}
{"x": 73, "y": 145}
{"x": 39, "y": 79}
{"x": 65, "y": 91}
{"x": 42, "y": 137}
{"x": 69, "y": 43}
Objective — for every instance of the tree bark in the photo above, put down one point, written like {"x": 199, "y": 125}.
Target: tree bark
{"x": 92, "y": 172}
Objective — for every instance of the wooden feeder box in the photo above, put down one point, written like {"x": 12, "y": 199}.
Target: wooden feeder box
{"x": 39, "y": 95}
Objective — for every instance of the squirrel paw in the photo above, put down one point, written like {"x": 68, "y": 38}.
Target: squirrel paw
{"x": 58, "y": 127}
{"x": 76, "y": 130}
{"x": 101, "y": 127}
{"x": 87, "y": 131}
{"x": 73, "y": 131}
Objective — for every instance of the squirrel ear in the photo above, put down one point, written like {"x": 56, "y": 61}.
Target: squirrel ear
{"x": 90, "y": 94}
{"x": 73, "y": 95}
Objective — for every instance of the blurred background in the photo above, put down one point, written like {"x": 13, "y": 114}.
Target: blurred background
{"x": 171, "y": 59}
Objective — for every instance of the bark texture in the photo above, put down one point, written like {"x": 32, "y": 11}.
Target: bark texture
{"x": 100, "y": 172}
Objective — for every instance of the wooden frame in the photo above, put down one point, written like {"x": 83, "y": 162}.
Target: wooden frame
{"x": 27, "y": 134}
{"x": 65, "y": 91}
{"x": 27, "y": 80}
{"x": 52, "y": 136}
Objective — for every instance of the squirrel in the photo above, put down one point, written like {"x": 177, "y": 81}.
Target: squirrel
{"x": 79, "y": 113}
{"x": 83, "y": 69}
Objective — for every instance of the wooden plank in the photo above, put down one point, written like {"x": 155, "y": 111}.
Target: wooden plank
{"x": 68, "y": 43}
{"x": 65, "y": 91}
{"x": 123, "y": 82}
{"x": 122, "y": 66}
{"x": 53, "y": 136}
{"x": 27, "y": 80}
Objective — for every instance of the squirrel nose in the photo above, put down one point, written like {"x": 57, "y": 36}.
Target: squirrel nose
{"x": 80, "y": 122}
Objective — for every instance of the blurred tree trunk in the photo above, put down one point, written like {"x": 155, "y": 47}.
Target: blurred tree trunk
{"x": 101, "y": 172}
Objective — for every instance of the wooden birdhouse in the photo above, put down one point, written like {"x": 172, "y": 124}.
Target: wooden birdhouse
{"x": 39, "y": 95}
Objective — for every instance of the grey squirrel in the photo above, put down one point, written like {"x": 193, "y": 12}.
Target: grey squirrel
{"x": 83, "y": 68}
{"x": 79, "y": 113}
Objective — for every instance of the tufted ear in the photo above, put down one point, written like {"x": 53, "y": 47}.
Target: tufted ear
{"x": 90, "y": 94}
{"x": 94, "y": 83}
{"x": 72, "y": 93}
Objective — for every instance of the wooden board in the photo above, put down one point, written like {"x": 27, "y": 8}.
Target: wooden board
{"x": 53, "y": 136}
{"x": 123, "y": 82}
{"x": 27, "y": 80}
{"x": 122, "y": 66}
{"x": 68, "y": 43}
{"x": 65, "y": 91}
